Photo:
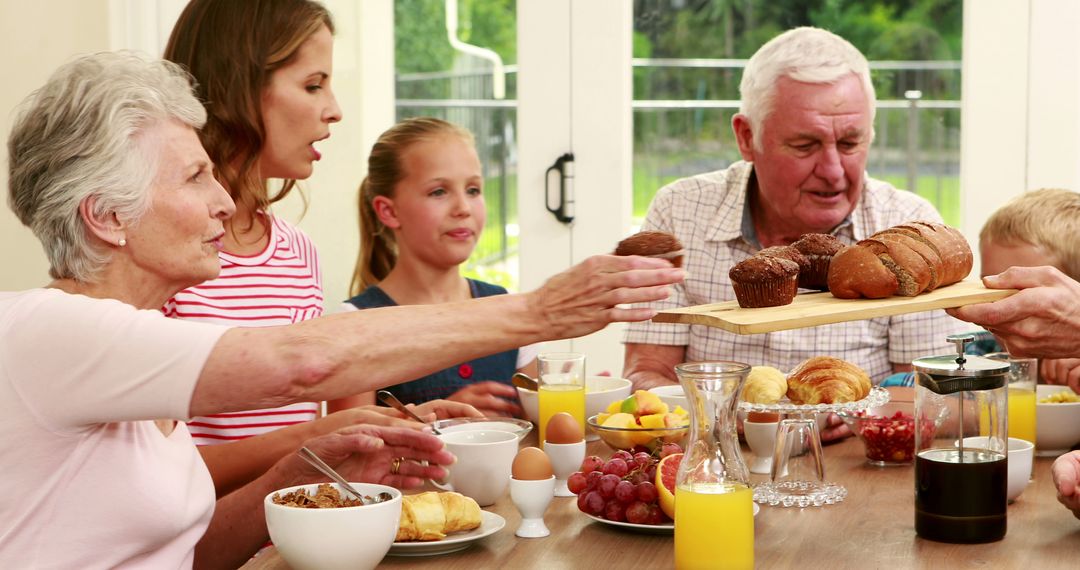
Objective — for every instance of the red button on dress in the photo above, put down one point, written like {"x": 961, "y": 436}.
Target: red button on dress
{"x": 465, "y": 371}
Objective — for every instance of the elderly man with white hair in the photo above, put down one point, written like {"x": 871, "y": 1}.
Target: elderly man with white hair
{"x": 804, "y": 132}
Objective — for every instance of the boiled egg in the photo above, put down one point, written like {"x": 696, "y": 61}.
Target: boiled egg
{"x": 563, "y": 428}
{"x": 531, "y": 464}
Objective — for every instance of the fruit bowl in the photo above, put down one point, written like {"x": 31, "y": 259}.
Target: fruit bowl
{"x": 638, "y": 438}
{"x": 888, "y": 432}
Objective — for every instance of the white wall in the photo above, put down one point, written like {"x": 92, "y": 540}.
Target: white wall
{"x": 35, "y": 38}
{"x": 1021, "y": 103}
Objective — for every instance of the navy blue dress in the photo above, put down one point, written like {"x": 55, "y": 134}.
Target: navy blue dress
{"x": 498, "y": 367}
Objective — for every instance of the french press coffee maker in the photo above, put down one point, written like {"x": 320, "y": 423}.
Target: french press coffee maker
{"x": 961, "y": 443}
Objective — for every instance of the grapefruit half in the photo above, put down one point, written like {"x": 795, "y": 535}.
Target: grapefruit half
{"x": 666, "y": 471}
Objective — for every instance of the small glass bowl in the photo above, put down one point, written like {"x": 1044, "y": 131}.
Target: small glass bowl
{"x": 643, "y": 439}
{"x": 519, "y": 427}
{"x": 888, "y": 432}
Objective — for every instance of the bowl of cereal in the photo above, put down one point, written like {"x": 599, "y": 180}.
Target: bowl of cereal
{"x": 1057, "y": 419}
{"x": 321, "y": 526}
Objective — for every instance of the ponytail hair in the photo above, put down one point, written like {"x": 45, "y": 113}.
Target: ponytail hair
{"x": 378, "y": 250}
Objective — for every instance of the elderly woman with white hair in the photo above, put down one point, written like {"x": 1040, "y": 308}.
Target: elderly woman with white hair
{"x": 106, "y": 168}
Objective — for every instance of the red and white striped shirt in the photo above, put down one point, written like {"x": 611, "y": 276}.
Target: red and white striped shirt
{"x": 280, "y": 286}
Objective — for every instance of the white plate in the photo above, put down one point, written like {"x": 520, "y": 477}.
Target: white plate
{"x": 649, "y": 528}
{"x": 490, "y": 523}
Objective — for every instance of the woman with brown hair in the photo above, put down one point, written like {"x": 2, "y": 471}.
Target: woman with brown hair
{"x": 264, "y": 70}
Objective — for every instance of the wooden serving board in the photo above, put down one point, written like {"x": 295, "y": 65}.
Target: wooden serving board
{"x": 813, "y": 309}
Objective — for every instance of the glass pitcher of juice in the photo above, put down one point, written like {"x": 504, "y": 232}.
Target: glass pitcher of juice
{"x": 714, "y": 506}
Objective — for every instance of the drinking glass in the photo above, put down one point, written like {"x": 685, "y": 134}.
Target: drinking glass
{"x": 562, "y": 388}
{"x": 1023, "y": 376}
{"x": 797, "y": 463}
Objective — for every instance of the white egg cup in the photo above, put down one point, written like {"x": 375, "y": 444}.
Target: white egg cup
{"x": 565, "y": 459}
{"x": 761, "y": 437}
{"x": 532, "y": 499}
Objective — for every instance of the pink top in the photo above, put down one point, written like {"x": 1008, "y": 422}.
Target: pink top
{"x": 279, "y": 286}
{"x": 91, "y": 481}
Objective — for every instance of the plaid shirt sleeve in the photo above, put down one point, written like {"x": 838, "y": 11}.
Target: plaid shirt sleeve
{"x": 660, "y": 218}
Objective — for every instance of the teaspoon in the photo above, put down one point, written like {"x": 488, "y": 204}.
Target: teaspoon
{"x": 522, "y": 380}
{"x": 309, "y": 456}
{"x": 392, "y": 401}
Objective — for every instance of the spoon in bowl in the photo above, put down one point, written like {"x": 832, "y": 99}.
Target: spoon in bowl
{"x": 524, "y": 381}
{"x": 392, "y": 401}
{"x": 309, "y": 456}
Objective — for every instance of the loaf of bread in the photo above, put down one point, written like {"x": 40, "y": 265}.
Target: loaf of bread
{"x": 764, "y": 385}
{"x": 827, "y": 380}
{"x": 908, "y": 259}
{"x": 431, "y": 516}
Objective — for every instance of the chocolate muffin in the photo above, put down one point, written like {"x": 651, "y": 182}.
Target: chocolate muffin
{"x": 763, "y": 281}
{"x": 819, "y": 250}
{"x": 652, "y": 244}
{"x": 789, "y": 253}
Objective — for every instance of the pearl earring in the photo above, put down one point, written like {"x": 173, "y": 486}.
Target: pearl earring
{"x": 122, "y": 242}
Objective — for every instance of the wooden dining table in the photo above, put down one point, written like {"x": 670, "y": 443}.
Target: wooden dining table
{"x": 872, "y": 528}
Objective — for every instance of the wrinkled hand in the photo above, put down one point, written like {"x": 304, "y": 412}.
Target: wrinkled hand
{"x": 1064, "y": 371}
{"x": 1042, "y": 320}
{"x": 443, "y": 409}
{"x": 490, "y": 398}
{"x": 366, "y": 454}
{"x": 835, "y": 429}
{"x": 1066, "y": 471}
{"x": 585, "y": 298}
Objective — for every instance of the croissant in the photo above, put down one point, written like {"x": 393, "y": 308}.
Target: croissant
{"x": 431, "y": 516}
{"x": 764, "y": 385}
{"x": 827, "y": 380}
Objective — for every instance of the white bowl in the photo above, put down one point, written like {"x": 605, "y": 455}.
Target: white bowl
{"x": 672, "y": 395}
{"x": 600, "y": 391}
{"x": 349, "y": 537}
{"x": 1020, "y": 460}
{"x": 519, "y": 427}
{"x": 1057, "y": 426}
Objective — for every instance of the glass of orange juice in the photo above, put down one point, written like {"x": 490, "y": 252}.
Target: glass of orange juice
{"x": 1023, "y": 375}
{"x": 562, "y": 388}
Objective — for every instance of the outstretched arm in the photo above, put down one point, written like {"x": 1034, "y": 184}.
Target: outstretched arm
{"x": 344, "y": 354}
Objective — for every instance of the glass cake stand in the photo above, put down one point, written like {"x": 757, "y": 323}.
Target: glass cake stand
{"x": 808, "y": 493}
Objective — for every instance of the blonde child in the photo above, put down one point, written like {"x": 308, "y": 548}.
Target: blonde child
{"x": 1040, "y": 227}
{"x": 421, "y": 214}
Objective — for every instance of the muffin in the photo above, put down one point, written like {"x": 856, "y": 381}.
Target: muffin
{"x": 763, "y": 281}
{"x": 652, "y": 244}
{"x": 789, "y": 253}
{"x": 819, "y": 250}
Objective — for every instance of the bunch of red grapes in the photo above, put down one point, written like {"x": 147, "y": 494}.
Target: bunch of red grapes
{"x": 622, "y": 489}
